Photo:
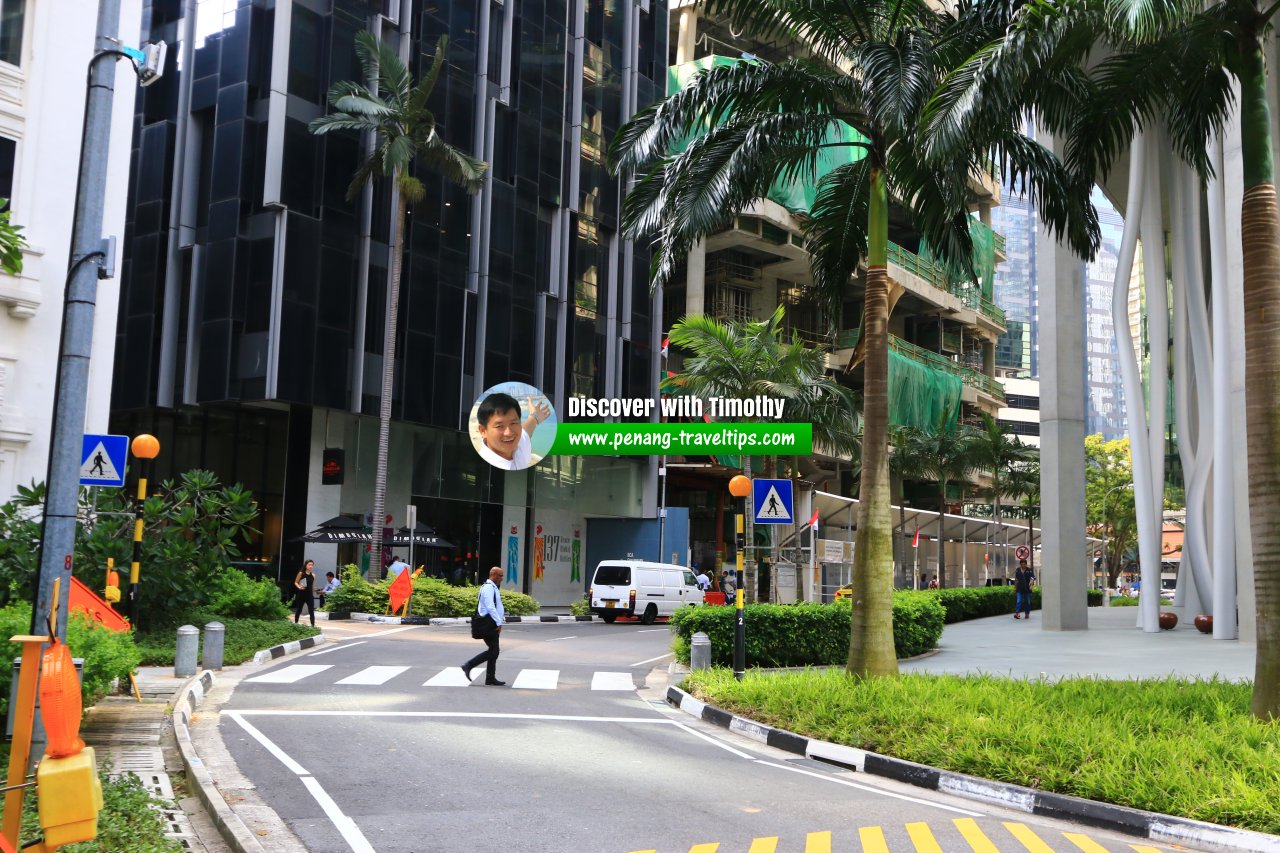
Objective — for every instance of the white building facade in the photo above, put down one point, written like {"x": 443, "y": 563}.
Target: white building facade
{"x": 44, "y": 53}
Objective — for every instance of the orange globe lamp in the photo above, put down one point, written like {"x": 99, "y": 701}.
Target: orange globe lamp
{"x": 740, "y": 486}
{"x": 145, "y": 446}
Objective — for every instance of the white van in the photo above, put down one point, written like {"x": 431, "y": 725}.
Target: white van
{"x": 631, "y": 587}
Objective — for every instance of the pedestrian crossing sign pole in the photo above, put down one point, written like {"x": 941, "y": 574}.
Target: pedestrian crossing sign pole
{"x": 102, "y": 460}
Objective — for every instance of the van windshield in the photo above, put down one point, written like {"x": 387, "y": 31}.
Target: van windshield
{"x": 613, "y": 575}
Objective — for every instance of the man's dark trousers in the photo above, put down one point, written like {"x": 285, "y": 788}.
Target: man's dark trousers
{"x": 489, "y": 656}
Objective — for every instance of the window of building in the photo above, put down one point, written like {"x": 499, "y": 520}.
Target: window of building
{"x": 1020, "y": 401}
{"x": 8, "y": 156}
{"x": 12, "y": 15}
{"x": 732, "y": 304}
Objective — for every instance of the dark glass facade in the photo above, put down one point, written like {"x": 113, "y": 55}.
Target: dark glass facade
{"x": 258, "y": 297}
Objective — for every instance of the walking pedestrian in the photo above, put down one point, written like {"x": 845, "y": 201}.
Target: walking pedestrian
{"x": 486, "y": 625}
{"x": 304, "y": 585}
{"x": 1022, "y": 580}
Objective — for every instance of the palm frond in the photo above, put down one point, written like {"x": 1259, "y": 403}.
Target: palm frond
{"x": 836, "y": 232}
{"x": 455, "y": 164}
{"x": 343, "y": 121}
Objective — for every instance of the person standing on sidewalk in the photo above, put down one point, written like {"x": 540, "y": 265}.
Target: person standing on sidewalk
{"x": 1022, "y": 580}
{"x": 304, "y": 595}
{"x": 487, "y": 625}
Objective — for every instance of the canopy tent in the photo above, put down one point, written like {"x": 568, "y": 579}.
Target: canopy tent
{"x": 337, "y": 530}
{"x": 423, "y": 537}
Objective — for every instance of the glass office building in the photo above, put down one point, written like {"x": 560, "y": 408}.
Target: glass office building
{"x": 254, "y": 292}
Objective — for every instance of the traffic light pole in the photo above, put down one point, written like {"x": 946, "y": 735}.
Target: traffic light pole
{"x": 739, "y": 618}
{"x": 72, "y": 388}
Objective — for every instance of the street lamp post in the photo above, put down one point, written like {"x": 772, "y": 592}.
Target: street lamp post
{"x": 1106, "y": 565}
{"x": 740, "y": 487}
{"x": 145, "y": 448}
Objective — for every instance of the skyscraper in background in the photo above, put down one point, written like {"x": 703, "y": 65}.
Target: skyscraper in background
{"x": 1104, "y": 395}
{"x": 1015, "y": 285}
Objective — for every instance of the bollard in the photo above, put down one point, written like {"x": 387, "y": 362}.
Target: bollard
{"x": 700, "y": 652}
{"x": 184, "y": 656}
{"x": 215, "y": 635}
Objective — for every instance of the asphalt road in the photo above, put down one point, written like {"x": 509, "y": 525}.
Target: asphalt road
{"x": 379, "y": 743}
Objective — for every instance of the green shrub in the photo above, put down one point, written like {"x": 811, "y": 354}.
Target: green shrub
{"x": 107, "y": 655}
{"x": 431, "y": 597}
{"x": 805, "y": 634}
{"x": 1124, "y": 601}
{"x": 580, "y": 607}
{"x": 1095, "y": 597}
{"x": 242, "y": 639}
{"x": 236, "y": 596}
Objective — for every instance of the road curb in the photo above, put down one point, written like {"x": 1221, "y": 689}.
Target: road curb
{"x": 288, "y": 648}
{"x": 1149, "y": 825}
{"x": 230, "y": 826}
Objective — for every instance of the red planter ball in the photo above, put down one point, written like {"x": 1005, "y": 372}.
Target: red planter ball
{"x": 1168, "y": 620}
{"x": 1204, "y": 623}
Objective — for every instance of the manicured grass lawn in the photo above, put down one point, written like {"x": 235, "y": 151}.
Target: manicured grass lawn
{"x": 243, "y": 638}
{"x": 1186, "y": 748}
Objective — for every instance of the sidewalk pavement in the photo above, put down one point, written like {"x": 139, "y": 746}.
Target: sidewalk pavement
{"x": 1112, "y": 648}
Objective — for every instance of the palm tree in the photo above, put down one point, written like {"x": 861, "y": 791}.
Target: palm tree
{"x": 998, "y": 454}
{"x": 1176, "y": 66}
{"x": 1022, "y": 483}
{"x": 878, "y": 63}
{"x": 392, "y": 108}
{"x": 942, "y": 458}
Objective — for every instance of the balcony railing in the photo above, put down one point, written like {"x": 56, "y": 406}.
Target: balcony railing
{"x": 1000, "y": 243}
{"x": 916, "y": 265}
{"x": 973, "y": 378}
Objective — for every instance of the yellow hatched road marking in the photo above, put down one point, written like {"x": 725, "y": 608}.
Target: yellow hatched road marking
{"x": 705, "y": 848}
{"x": 1029, "y": 839}
{"x": 1142, "y": 848}
{"x": 817, "y": 842}
{"x": 974, "y": 835}
{"x": 764, "y": 845}
{"x": 1084, "y": 842}
{"x": 872, "y": 838}
{"x": 922, "y": 838}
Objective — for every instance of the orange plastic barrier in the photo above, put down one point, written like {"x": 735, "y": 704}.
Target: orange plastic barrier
{"x": 86, "y": 600}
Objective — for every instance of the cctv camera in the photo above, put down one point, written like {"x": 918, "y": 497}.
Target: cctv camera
{"x": 152, "y": 67}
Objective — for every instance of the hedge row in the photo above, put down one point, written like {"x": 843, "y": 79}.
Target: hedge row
{"x": 431, "y": 597}
{"x": 975, "y": 602}
{"x": 805, "y": 634}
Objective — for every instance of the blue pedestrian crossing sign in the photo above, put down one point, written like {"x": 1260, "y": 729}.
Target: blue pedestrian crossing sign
{"x": 102, "y": 460}
{"x": 771, "y": 501}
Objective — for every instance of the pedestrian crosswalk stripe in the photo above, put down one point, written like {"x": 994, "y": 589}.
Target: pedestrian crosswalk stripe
{"x": 922, "y": 838}
{"x": 764, "y": 845}
{"x": 1142, "y": 848}
{"x": 612, "y": 681}
{"x": 536, "y": 679}
{"x": 975, "y": 836}
{"x": 817, "y": 842}
{"x": 450, "y": 677}
{"x": 374, "y": 675}
{"x": 872, "y": 838}
{"x": 705, "y": 848}
{"x": 1029, "y": 839}
{"x": 290, "y": 674}
{"x": 1084, "y": 842}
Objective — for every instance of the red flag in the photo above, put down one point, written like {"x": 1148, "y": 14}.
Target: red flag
{"x": 813, "y": 522}
{"x": 915, "y": 543}
{"x": 666, "y": 342}
{"x": 401, "y": 589}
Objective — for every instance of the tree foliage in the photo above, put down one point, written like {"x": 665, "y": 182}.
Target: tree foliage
{"x": 11, "y": 241}
{"x": 1108, "y": 498}
{"x": 193, "y": 528}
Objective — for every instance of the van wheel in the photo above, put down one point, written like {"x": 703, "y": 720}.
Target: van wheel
{"x": 609, "y": 618}
{"x": 650, "y": 615}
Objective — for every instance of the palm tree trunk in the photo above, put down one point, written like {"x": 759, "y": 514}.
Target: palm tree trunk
{"x": 871, "y": 650}
{"x": 1260, "y": 237}
{"x": 388, "y": 384}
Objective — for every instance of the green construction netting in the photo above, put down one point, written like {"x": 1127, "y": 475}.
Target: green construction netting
{"x": 921, "y": 396}
{"x": 798, "y": 194}
{"x": 984, "y": 257}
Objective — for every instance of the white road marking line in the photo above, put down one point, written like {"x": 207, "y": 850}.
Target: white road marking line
{"x": 536, "y": 679}
{"x": 391, "y": 631}
{"x": 373, "y": 675}
{"x": 336, "y": 648}
{"x": 570, "y": 637}
{"x": 651, "y": 660}
{"x": 345, "y": 825}
{"x": 270, "y": 747}
{"x": 452, "y": 677}
{"x": 612, "y": 681}
{"x": 568, "y": 718}
{"x": 713, "y": 741}
{"x": 336, "y": 628}
{"x": 290, "y": 674}
{"x": 868, "y": 788}
{"x": 651, "y": 630}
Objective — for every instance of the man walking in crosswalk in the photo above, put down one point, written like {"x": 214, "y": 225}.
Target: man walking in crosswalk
{"x": 487, "y": 625}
